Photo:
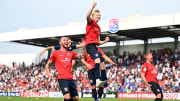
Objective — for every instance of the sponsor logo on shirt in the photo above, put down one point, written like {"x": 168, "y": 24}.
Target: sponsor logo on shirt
{"x": 154, "y": 72}
{"x": 97, "y": 30}
{"x": 66, "y": 60}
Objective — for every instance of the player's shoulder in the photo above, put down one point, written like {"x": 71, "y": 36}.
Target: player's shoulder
{"x": 145, "y": 64}
{"x": 54, "y": 52}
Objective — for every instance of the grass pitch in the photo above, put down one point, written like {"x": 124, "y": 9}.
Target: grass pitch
{"x": 61, "y": 99}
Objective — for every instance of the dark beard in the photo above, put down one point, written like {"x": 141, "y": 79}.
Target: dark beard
{"x": 64, "y": 46}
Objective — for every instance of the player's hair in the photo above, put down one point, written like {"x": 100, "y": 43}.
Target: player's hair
{"x": 95, "y": 11}
{"x": 147, "y": 54}
{"x": 64, "y": 37}
{"x": 69, "y": 38}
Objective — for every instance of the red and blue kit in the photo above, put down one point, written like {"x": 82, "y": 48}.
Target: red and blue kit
{"x": 90, "y": 61}
{"x": 92, "y": 32}
{"x": 150, "y": 72}
{"x": 63, "y": 63}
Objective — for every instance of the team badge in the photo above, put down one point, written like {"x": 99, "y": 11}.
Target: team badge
{"x": 91, "y": 81}
{"x": 68, "y": 54}
{"x": 65, "y": 89}
{"x": 158, "y": 90}
{"x": 113, "y": 25}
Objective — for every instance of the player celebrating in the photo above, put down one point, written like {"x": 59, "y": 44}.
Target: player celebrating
{"x": 92, "y": 38}
{"x": 57, "y": 47}
{"x": 88, "y": 61}
{"x": 149, "y": 76}
{"x": 63, "y": 63}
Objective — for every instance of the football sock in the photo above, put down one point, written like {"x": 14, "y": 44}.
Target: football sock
{"x": 97, "y": 71}
{"x": 94, "y": 93}
{"x": 100, "y": 92}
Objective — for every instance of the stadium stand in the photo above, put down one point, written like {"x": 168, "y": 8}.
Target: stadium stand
{"x": 125, "y": 78}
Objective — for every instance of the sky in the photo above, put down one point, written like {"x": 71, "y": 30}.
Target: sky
{"x": 35, "y": 14}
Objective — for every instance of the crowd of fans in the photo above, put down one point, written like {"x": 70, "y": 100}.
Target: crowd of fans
{"x": 124, "y": 78}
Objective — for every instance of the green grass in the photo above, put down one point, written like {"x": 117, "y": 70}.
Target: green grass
{"x": 61, "y": 99}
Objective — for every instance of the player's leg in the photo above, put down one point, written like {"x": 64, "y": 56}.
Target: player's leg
{"x": 160, "y": 94}
{"x": 73, "y": 91}
{"x": 155, "y": 89}
{"x": 103, "y": 70}
{"x": 103, "y": 78}
{"x": 100, "y": 92}
{"x": 64, "y": 86}
{"x": 92, "y": 80}
{"x": 93, "y": 52}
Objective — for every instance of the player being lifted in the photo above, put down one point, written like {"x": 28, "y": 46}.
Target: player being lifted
{"x": 149, "y": 76}
{"x": 90, "y": 67}
{"x": 63, "y": 63}
{"x": 92, "y": 38}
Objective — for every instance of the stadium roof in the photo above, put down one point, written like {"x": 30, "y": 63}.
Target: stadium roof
{"x": 131, "y": 28}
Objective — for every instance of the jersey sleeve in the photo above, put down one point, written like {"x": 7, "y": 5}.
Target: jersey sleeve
{"x": 57, "y": 47}
{"x": 74, "y": 55}
{"x": 144, "y": 68}
{"x": 73, "y": 46}
{"x": 52, "y": 58}
{"x": 101, "y": 52}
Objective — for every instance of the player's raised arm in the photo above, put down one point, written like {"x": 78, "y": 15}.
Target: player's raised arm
{"x": 43, "y": 51}
{"x": 109, "y": 60}
{"x": 88, "y": 16}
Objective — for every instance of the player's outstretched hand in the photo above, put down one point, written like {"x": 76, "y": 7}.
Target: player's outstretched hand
{"x": 115, "y": 64}
{"x": 94, "y": 4}
{"x": 106, "y": 39}
{"x": 83, "y": 42}
{"x": 47, "y": 72}
{"x": 42, "y": 52}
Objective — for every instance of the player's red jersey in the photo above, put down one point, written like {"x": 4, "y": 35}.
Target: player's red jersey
{"x": 150, "y": 72}
{"x": 63, "y": 63}
{"x": 90, "y": 61}
{"x": 92, "y": 32}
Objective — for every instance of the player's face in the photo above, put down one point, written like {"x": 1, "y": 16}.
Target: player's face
{"x": 64, "y": 42}
{"x": 97, "y": 16}
{"x": 149, "y": 57}
{"x": 69, "y": 43}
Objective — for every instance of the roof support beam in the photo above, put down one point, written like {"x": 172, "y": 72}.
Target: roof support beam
{"x": 117, "y": 47}
{"x": 145, "y": 45}
{"x": 175, "y": 42}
